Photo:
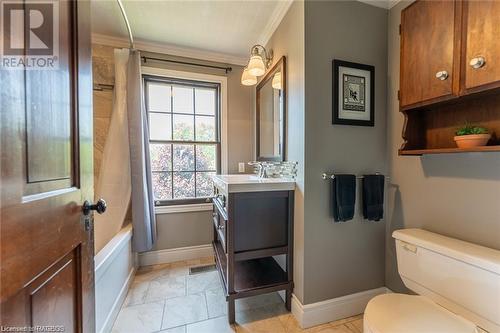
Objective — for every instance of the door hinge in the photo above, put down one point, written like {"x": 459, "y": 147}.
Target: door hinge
{"x": 399, "y": 95}
{"x": 400, "y": 29}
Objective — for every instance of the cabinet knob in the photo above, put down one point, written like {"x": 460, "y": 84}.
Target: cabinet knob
{"x": 442, "y": 75}
{"x": 477, "y": 62}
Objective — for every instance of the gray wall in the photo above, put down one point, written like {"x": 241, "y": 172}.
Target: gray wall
{"x": 457, "y": 195}
{"x": 194, "y": 228}
{"x": 341, "y": 258}
{"x": 288, "y": 41}
{"x": 183, "y": 229}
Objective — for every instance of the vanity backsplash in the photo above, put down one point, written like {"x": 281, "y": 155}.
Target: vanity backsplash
{"x": 275, "y": 169}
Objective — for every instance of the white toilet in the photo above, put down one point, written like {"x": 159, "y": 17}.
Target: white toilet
{"x": 458, "y": 287}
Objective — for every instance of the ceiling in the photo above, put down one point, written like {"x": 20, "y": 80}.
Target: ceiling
{"x": 224, "y": 27}
{"x": 218, "y": 30}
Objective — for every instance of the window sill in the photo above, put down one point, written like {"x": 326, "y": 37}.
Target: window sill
{"x": 201, "y": 207}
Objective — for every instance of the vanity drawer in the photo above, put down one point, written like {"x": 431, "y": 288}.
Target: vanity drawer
{"x": 220, "y": 224}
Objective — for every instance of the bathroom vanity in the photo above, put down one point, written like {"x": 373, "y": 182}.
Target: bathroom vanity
{"x": 253, "y": 221}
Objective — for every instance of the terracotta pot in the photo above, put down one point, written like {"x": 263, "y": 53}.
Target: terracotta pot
{"x": 472, "y": 140}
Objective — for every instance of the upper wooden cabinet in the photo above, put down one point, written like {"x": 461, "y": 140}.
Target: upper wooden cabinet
{"x": 448, "y": 49}
{"x": 427, "y": 51}
{"x": 481, "y": 36}
{"x": 450, "y": 73}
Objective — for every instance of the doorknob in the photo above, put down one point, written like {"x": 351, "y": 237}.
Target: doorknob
{"x": 477, "y": 62}
{"x": 442, "y": 75}
{"x": 99, "y": 207}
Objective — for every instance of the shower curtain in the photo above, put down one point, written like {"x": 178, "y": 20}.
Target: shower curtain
{"x": 143, "y": 215}
{"x": 125, "y": 172}
{"x": 114, "y": 183}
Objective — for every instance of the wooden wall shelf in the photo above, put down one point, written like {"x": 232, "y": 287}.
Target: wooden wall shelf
{"x": 418, "y": 152}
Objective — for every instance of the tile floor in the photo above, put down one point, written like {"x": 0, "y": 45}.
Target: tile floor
{"x": 165, "y": 298}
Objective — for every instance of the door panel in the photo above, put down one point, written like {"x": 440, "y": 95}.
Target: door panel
{"x": 482, "y": 33}
{"x": 47, "y": 263}
{"x": 427, "y": 47}
{"x": 49, "y": 119}
{"x": 54, "y": 296}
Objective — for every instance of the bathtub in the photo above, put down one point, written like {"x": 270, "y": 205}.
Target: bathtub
{"x": 115, "y": 266}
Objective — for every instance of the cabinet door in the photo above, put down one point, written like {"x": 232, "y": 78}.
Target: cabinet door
{"x": 427, "y": 52}
{"x": 482, "y": 35}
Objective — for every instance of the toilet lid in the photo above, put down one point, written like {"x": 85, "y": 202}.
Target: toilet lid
{"x": 399, "y": 313}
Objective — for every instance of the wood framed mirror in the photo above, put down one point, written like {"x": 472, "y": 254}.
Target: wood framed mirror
{"x": 271, "y": 114}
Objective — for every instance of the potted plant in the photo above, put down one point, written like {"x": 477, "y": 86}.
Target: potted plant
{"x": 470, "y": 136}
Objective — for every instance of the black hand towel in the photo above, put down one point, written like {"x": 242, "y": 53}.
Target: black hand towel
{"x": 373, "y": 197}
{"x": 344, "y": 197}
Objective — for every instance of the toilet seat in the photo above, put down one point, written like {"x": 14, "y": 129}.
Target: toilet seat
{"x": 400, "y": 313}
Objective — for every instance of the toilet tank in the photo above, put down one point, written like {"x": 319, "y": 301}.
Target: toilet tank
{"x": 460, "y": 276}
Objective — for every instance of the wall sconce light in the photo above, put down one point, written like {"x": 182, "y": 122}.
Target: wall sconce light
{"x": 260, "y": 60}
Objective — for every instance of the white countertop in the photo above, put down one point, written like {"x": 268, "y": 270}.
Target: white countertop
{"x": 252, "y": 183}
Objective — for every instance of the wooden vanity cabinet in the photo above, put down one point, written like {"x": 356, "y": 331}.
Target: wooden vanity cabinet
{"x": 250, "y": 228}
{"x": 481, "y": 38}
{"x": 429, "y": 38}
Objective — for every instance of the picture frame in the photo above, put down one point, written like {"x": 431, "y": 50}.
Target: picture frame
{"x": 353, "y": 94}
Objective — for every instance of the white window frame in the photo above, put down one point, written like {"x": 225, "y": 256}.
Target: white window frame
{"x": 222, "y": 81}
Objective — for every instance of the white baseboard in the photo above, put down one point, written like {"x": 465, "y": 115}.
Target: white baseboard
{"x": 115, "y": 309}
{"x": 333, "y": 309}
{"x": 173, "y": 255}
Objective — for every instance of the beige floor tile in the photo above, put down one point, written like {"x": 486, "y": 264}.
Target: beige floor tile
{"x": 178, "y": 329}
{"x": 137, "y": 293}
{"x": 215, "y": 325}
{"x": 144, "y": 318}
{"x": 166, "y": 287}
{"x": 356, "y": 326}
{"x": 150, "y": 273}
{"x": 207, "y": 260}
{"x": 202, "y": 282}
{"x": 184, "y": 310}
{"x": 346, "y": 320}
{"x": 261, "y": 326}
{"x": 216, "y": 302}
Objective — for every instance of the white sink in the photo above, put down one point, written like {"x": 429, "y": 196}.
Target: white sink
{"x": 252, "y": 183}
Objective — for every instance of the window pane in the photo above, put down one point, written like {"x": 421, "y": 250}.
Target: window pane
{"x": 183, "y": 99}
{"x": 205, "y": 128}
{"x": 183, "y": 127}
{"x": 183, "y": 157}
{"x": 159, "y": 97}
{"x": 183, "y": 185}
{"x": 206, "y": 157}
{"x": 160, "y": 127}
{"x": 205, "y": 101}
{"x": 161, "y": 157}
{"x": 162, "y": 185}
{"x": 204, "y": 184}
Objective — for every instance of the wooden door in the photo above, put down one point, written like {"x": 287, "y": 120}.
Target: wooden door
{"x": 428, "y": 38}
{"x": 47, "y": 265}
{"x": 481, "y": 63}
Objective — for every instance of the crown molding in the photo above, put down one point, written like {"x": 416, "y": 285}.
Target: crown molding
{"x": 170, "y": 49}
{"x": 386, "y": 4}
{"x": 274, "y": 21}
{"x": 393, "y": 3}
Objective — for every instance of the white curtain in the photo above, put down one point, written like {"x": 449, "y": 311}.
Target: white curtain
{"x": 114, "y": 183}
{"x": 143, "y": 215}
